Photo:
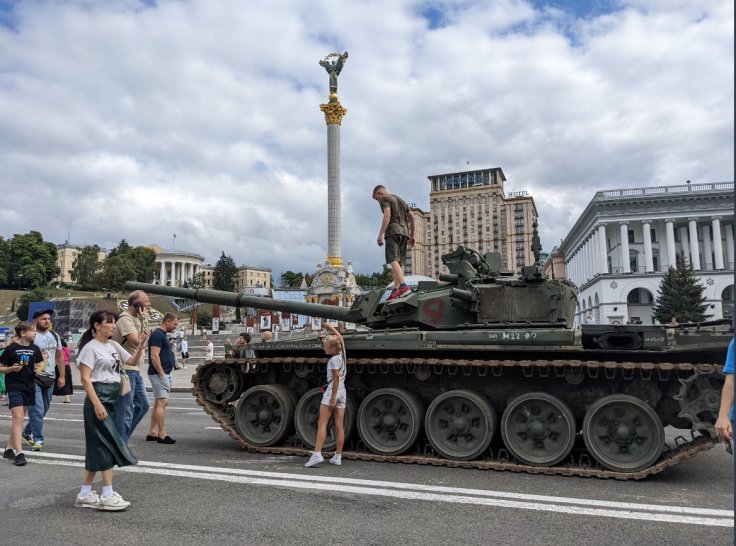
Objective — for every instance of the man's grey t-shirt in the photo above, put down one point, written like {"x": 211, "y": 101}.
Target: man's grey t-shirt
{"x": 49, "y": 344}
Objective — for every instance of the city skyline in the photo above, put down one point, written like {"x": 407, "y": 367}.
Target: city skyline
{"x": 116, "y": 121}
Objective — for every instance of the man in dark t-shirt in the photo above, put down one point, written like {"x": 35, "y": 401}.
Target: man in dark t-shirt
{"x": 161, "y": 361}
{"x": 19, "y": 363}
{"x": 397, "y": 231}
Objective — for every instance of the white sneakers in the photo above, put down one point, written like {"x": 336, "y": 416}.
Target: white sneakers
{"x": 112, "y": 503}
{"x": 90, "y": 501}
{"x": 317, "y": 458}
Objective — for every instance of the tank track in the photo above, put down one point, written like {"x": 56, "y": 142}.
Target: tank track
{"x": 584, "y": 466}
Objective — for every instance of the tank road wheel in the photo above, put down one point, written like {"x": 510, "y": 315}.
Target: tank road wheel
{"x": 222, "y": 384}
{"x": 460, "y": 424}
{"x": 306, "y": 418}
{"x": 389, "y": 421}
{"x": 623, "y": 433}
{"x": 265, "y": 415}
{"x": 538, "y": 429}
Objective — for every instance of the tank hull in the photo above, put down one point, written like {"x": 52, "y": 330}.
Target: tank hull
{"x": 677, "y": 380}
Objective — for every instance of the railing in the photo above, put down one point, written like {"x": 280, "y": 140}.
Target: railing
{"x": 692, "y": 188}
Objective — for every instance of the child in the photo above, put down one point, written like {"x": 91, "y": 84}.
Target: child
{"x": 19, "y": 363}
{"x": 334, "y": 399}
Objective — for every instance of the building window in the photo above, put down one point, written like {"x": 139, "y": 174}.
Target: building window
{"x": 631, "y": 236}
{"x": 654, "y": 235}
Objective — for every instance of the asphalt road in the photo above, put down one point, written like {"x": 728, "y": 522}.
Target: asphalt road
{"x": 205, "y": 489}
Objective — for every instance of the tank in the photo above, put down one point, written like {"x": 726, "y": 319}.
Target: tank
{"x": 480, "y": 369}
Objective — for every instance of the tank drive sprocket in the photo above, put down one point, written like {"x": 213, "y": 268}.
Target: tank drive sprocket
{"x": 700, "y": 398}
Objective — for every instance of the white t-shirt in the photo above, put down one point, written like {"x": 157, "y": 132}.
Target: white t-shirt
{"x": 210, "y": 351}
{"x": 335, "y": 363}
{"x": 104, "y": 359}
{"x": 184, "y": 346}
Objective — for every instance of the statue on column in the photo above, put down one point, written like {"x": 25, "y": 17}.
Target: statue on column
{"x": 333, "y": 68}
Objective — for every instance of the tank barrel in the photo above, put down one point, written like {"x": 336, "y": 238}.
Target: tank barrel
{"x": 233, "y": 299}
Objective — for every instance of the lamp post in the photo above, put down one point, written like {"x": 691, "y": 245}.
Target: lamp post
{"x": 20, "y": 277}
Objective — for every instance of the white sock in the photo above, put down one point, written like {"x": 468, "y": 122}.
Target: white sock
{"x": 106, "y": 491}
{"x": 85, "y": 490}
{"x": 316, "y": 453}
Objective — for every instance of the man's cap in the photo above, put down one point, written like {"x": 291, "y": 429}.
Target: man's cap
{"x": 37, "y": 314}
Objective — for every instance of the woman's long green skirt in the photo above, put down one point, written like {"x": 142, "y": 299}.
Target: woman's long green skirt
{"x": 104, "y": 447}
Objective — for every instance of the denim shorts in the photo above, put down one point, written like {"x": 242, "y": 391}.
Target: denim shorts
{"x": 18, "y": 398}
{"x": 339, "y": 400}
{"x": 161, "y": 387}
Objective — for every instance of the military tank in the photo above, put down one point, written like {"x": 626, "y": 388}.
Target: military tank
{"x": 479, "y": 369}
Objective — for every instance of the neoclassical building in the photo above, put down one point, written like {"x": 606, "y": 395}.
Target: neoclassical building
{"x": 176, "y": 266}
{"x": 624, "y": 242}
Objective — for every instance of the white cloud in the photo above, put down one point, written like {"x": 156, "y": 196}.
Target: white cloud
{"x": 202, "y": 118}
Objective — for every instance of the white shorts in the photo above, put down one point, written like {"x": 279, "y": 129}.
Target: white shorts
{"x": 339, "y": 401}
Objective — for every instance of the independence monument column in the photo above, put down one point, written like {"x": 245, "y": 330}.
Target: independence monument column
{"x": 334, "y": 112}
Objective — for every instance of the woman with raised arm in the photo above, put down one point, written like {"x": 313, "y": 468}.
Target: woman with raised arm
{"x": 334, "y": 399}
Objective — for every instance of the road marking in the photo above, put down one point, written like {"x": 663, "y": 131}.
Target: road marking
{"x": 8, "y": 418}
{"x": 565, "y": 505}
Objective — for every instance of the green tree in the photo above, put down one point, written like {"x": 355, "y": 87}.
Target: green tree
{"x": 115, "y": 272}
{"x": 289, "y": 279}
{"x": 197, "y": 281}
{"x": 680, "y": 295}
{"x": 122, "y": 248}
{"x": 204, "y": 320}
{"x": 85, "y": 267}
{"x": 378, "y": 279}
{"x": 223, "y": 277}
{"x": 32, "y": 261}
{"x": 4, "y": 262}
{"x": 25, "y": 300}
{"x": 142, "y": 258}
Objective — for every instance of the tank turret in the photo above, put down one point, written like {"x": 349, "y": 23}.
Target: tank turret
{"x": 476, "y": 292}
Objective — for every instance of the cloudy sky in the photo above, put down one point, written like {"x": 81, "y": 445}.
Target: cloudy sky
{"x": 140, "y": 119}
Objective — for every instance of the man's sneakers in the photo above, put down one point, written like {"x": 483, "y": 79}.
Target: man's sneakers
{"x": 37, "y": 446}
{"x": 28, "y": 440}
{"x": 113, "y": 503}
{"x": 336, "y": 459}
{"x": 9, "y": 454}
{"x": 397, "y": 292}
{"x": 316, "y": 458}
{"x": 92, "y": 500}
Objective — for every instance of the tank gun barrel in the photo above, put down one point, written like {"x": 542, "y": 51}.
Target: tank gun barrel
{"x": 234, "y": 299}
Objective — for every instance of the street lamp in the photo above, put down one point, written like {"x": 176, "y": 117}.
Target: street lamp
{"x": 20, "y": 276}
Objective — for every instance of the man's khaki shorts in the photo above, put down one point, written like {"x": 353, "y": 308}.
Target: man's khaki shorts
{"x": 396, "y": 248}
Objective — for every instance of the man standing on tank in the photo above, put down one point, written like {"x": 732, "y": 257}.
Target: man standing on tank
{"x": 128, "y": 328}
{"x": 397, "y": 231}
{"x": 53, "y": 357}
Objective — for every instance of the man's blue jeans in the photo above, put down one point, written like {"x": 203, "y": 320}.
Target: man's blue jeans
{"x": 131, "y": 407}
{"x": 37, "y": 412}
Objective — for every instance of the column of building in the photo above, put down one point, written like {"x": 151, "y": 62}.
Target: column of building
{"x": 624, "y": 233}
{"x": 669, "y": 224}
{"x": 646, "y": 226}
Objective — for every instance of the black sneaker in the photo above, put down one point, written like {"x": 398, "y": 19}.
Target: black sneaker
{"x": 166, "y": 440}
{"x": 9, "y": 454}
{"x": 20, "y": 460}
